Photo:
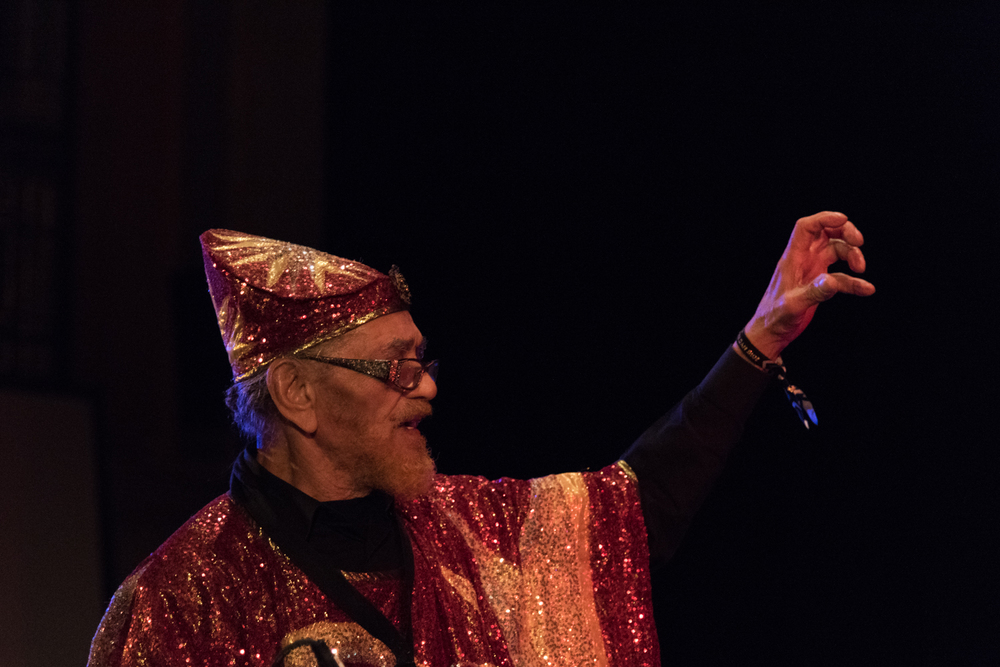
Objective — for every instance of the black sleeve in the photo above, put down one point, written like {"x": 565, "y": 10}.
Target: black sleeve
{"x": 679, "y": 457}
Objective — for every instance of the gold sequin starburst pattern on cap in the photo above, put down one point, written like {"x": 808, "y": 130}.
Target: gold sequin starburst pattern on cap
{"x": 273, "y": 298}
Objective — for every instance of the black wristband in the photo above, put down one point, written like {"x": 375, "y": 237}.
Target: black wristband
{"x": 755, "y": 356}
{"x": 776, "y": 368}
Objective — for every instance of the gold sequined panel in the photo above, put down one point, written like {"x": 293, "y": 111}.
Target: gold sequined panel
{"x": 348, "y": 640}
{"x": 462, "y": 586}
{"x": 546, "y": 606}
{"x": 351, "y": 644}
{"x": 559, "y": 618}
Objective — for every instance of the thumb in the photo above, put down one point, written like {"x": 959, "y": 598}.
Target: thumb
{"x": 823, "y": 287}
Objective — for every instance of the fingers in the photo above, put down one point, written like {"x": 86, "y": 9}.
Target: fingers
{"x": 850, "y": 254}
{"x": 847, "y": 231}
{"x": 826, "y": 285}
{"x": 832, "y": 223}
{"x": 810, "y": 229}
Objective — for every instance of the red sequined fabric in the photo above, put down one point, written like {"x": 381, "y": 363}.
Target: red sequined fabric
{"x": 551, "y": 571}
{"x": 273, "y": 298}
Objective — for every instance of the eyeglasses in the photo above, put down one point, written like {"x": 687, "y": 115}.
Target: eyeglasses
{"x": 403, "y": 374}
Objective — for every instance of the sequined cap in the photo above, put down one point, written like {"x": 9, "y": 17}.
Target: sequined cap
{"x": 274, "y": 298}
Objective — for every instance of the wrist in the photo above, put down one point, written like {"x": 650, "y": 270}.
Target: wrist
{"x": 765, "y": 342}
{"x": 775, "y": 367}
{"x": 753, "y": 356}
{"x": 744, "y": 358}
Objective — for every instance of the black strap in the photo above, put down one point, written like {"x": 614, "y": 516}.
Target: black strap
{"x": 331, "y": 580}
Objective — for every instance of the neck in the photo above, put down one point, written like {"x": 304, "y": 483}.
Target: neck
{"x": 303, "y": 464}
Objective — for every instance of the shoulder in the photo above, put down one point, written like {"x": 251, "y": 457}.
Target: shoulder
{"x": 177, "y": 581}
{"x": 214, "y": 539}
{"x": 211, "y": 544}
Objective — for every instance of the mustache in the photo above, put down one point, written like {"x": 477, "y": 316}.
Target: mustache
{"x": 417, "y": 413}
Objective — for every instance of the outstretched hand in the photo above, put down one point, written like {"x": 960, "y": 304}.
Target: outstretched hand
{"x": 801, "y": 282}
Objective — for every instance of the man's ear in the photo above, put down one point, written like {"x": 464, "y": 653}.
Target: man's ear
{"x": 293, "y": 393}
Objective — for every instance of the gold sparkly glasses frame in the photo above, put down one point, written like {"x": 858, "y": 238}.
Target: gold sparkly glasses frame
{"x": 402, "y": 374}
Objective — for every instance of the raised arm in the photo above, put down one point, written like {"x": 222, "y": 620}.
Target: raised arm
{"x": 679, "y": 457}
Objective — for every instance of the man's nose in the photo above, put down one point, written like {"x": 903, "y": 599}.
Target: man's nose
{"x": 427, "y": 388}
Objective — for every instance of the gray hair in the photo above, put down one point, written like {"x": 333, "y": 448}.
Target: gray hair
{"x": 250, "y": 401}
{"x": 253, "y": 409}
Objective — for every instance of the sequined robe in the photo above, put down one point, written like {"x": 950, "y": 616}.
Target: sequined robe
{"x": 551, "y": 571}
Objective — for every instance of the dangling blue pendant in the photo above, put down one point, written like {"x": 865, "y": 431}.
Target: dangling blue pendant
{"x": 803, "y": 406}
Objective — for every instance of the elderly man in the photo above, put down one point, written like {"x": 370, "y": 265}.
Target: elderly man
{"x": 336, "y": 527}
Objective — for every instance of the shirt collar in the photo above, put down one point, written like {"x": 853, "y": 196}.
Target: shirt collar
{"x": 357, "y": 531}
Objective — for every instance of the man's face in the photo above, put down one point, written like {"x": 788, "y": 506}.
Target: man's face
{"x": 367, "y": 426}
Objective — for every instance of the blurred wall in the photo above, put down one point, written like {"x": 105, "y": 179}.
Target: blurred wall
{"x": 189, "y": 116}
{"x": 179, "y": 117}
{"x": 50, "y": 552}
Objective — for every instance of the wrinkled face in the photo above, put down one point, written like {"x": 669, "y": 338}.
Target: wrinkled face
{"x": 368, "y": 426}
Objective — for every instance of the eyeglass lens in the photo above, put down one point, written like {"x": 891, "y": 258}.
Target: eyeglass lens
{"x": 412, "y": 371}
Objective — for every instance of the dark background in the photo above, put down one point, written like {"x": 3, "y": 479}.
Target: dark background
{"x": 587, "y": 202}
